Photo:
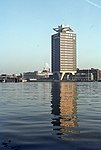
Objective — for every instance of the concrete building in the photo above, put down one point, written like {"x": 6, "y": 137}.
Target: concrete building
{"x": 63, "y": 57}
{"x": 86, "y": 75}
{"x": 10, "y": 78}
{"x": 98, "y": 75}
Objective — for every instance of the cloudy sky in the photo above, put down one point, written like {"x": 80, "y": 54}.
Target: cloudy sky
{"x": 27, "y": 25}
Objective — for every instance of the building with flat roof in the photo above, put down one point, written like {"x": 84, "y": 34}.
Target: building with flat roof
{"x": 63, "y": 51}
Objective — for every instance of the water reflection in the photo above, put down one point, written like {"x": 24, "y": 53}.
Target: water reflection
{"x": 64, "y": 109}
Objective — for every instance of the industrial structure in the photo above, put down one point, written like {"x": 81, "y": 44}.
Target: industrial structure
{"x": 63, "y": 48}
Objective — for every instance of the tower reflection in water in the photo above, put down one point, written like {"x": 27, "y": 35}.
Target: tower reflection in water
{"x": 64, "y": 109}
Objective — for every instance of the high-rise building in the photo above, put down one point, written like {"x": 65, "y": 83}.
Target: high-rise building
{"x": 63, "y": 57}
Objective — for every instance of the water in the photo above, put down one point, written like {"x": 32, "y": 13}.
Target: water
{"x": 41, "y": 116}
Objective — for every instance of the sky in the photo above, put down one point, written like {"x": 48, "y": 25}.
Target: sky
{"x": 26, "y": 27}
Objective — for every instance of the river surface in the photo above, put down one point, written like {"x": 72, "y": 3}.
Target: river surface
{"x": 50, "y": 116}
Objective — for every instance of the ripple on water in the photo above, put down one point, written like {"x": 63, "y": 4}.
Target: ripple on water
{"x": 48, "y": 115}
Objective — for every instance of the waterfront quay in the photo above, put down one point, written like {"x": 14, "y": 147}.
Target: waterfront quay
{"x": 10, "y": 78}
{"x": 84, "y": 75}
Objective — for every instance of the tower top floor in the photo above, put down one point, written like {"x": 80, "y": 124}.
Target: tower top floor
{"x": 63, "y": 28}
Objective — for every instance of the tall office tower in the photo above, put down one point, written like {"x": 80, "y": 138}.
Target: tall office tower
{"x": 63, "y": 57}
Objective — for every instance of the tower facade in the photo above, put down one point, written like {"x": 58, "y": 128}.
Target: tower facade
{"x": 63, "y": 44}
